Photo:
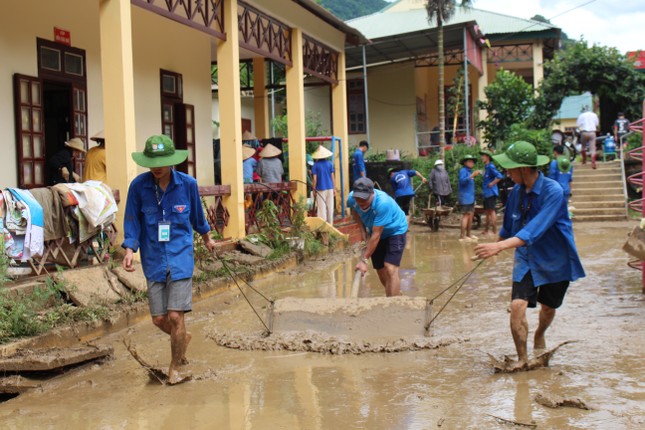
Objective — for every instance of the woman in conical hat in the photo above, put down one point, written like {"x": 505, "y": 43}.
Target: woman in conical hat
{"x": 270, "y": 167}
{"x": 249, "y": 163}
{"x": 323, "y": 183}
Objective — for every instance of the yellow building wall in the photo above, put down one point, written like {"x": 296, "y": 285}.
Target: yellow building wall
{"x": 159, "y": 43}
{"x": 21, "y": 22}
{"x": 392, "y": 109}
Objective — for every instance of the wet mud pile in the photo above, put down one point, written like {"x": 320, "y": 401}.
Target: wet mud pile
{"x": 312, "y": 341}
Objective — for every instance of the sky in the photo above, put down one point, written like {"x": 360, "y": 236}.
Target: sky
{"x": 616, "y": 23}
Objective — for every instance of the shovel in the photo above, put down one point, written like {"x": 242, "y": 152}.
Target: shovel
{"x": 356, "y": 284}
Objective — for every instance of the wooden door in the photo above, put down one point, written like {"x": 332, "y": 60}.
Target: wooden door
{"x": 185, "y": 136}
{"x": 30, "y": 133}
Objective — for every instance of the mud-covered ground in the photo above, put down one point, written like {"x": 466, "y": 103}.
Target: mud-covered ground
{"x": 452, "y": 386}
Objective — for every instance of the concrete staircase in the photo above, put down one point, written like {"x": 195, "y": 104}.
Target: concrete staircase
{"x": 598, "y": 195}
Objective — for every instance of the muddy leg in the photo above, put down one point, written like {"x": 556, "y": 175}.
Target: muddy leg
{"x": 163, "y": 323}
{"x": 177, "y": 344}
{"x": 520, "y": 331}
{"x": 464, "y": 226}
{"x": 491, "y": 219}
{"x": 392, "y": 281}
{"x": 546, "y": 318}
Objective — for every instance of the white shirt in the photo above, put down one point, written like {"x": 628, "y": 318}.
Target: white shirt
{"x": 588, "y": 121}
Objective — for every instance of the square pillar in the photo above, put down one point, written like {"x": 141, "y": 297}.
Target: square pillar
{"x": 538, "y": 64}
{"x": 296, "y": 116}
{"x": 228, "y": 67}
{"x": 117, "y": 70}
{"x": 262, "y": 128}
{"x": 481, "y": 94}
{"x": 340, "y": 129}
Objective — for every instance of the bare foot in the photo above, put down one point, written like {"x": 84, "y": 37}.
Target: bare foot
{"x": 539, "y": 342}
{"x": 184, "y": 360}
{"x": 517, "y": 366}
{"x": 174, "y": 377}
{"x": 473, "y": 238}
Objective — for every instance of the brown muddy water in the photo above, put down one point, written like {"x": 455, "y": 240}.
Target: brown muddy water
{"x": 451, "y": 387}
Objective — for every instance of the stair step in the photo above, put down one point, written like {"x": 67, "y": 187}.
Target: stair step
{"x": 604, "y": 191}
{"x": 599, "y": 211}
{"x": 584, "y": 218}
{"x": 595, "y": 184}
{"x": 599, "y": 204}
{"x": 618, "y": 176}
{"x": 594, "y": 196}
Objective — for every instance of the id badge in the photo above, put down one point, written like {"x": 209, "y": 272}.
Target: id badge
{"x": 163, "y": 231}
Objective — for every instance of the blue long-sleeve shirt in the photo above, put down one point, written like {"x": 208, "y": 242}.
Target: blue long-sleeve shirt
{"x": 466, "y": 193}
{"x": 490, "y": 174}
{"x": 179, "y": 205}
{"x": 401, "y": 183}
{"x": 541, "y": 220}
{"x": 359, "y": 164}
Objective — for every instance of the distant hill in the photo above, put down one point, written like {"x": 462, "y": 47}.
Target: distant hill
{"x": 348, "y": 9}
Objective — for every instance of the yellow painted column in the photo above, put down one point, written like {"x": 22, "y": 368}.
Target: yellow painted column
{"x": 262, "y": 129}
{"x": 115, "y": 22}
{"x": 340, "y": 129}
{"x": 481, "y": 95}
{"x": 230, "y": 117}
{"x": 538, "y": 64}
{"x": 296, "y": 116}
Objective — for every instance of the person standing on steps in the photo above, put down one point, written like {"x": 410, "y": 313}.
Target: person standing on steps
{"x": 323, "y": 183}
{"x": 466, "y": 197}
{"x": 162, "y": 209}
{"x": 621, "y": 128}
{"x": 588, "y": 125}
{"x": 490, "y": 192}
{"x": 358, "y": 167}
{"x": 537, "y": 225}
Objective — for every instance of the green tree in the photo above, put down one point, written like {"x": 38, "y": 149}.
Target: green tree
{"x": 509, "y": 100}
{"x": 602, "y": 70}
{"x": 441, "y": 11}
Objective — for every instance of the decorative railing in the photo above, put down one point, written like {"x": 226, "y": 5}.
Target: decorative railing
{"x": 263, "y": 34}
{"x": 320, "y": 60}
{"x": 203, "y": 15}
{"x": 510, "y": 53}
{"x": 450, "y": 57}
{"x": 254, "y": 196}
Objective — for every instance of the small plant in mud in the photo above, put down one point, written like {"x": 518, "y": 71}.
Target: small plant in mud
{"x": 5, "y": 262}
{"x": 270, "y": 232}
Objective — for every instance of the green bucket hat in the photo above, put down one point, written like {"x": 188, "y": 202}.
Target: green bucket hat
{"x": 485, "y": 152}
{"x": 159, "y": 152}
{"x": 520, "y": 154}
{"x": 466, "y": 158}
{"x": 564, "y": 164}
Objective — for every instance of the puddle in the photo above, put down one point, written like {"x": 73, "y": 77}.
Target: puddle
{"x": 453, "y": 385}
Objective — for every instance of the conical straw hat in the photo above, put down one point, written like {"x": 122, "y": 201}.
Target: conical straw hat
{"x": 321, "y": 152}
{"x": 247, "y": 135}
{"x": 98, "y": 136}
{"x": 270, "y": 151}
{"x": 247, "y": 152}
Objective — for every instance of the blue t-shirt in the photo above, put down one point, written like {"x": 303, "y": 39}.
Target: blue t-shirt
{"x": 540, "y": 218}
{"x": 383, "y": 212}
{"x": 248, "y": 167}
{"x": 401, "y": 183}
{"x": 359, "y": 164}
{"x": 490, "y": 174}
{"x": 564, "y": 179}
{"x": 466, "y": 194}
{"x": 323, "y": 169}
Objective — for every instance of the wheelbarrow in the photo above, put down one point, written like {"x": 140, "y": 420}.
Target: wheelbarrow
{"x": 433, "y": 215}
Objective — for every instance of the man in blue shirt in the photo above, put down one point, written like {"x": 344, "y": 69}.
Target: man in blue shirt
{"x": 490, "y": 192}
{"x": 402, "y": 186}
{"x": 537, "y": 225}
{"x": 323, "y": 183}
{"x": 466, "y": 197}
{"x": 382, "y": 219}
{"x": 359, "y": 162}
{"x": 163, "y": 207}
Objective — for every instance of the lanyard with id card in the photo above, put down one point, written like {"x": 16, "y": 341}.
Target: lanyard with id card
{"x": 163, "y": 228}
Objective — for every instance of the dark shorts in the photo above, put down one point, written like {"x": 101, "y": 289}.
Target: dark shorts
{"x": 404, "y": 203}
{"x": 170, "y": 296}
{"x": 466, "y": 209}
{"x": 490, "y": 202}
{"x": 550, "y": 295}
{"x": 389, "y": 250}
{"x": 442, "y": 200}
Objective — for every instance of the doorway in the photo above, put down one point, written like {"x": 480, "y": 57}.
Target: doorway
{"x": 57, "y": 114}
